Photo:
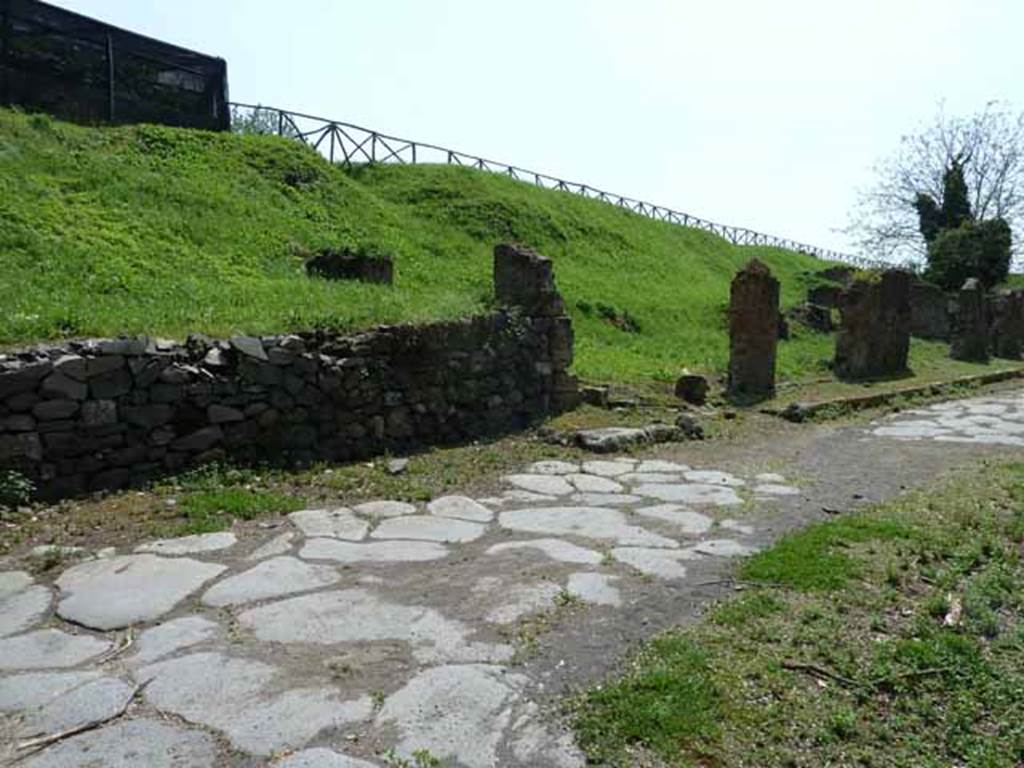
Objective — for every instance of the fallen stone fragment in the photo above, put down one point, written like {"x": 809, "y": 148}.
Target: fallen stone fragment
{"x": 126, "y": 590}
{"x": 276, "y": 577}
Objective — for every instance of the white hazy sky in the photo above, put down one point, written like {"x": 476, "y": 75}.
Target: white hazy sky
{"x": 761, "y": 114}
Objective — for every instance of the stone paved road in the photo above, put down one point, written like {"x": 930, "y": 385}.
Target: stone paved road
{"x": 343, "y": 633}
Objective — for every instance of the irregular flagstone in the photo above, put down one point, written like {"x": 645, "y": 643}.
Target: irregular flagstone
{"x": 775, "y": 489}
{"x": 460, "y": 508}
{"x": 246, "y": 700}
{"x": 770, "y": 477}
{"x": 13, "y": 581}
{"x": 458, "y": 713}
{"x": 528, "y": 497}
{"x": 36, "y": 689}
{"x": 713, "y": 477}
{"x": 663, "y": 563}
{"x": 690, "y": 522}
{"x": 911, "y": 432}
{"x": 594, "y": 484}
{"x": 594, "y": 588}
{"x": 723, "y": 548}
{"x": 91, "y": 702}
{"x": 604, "y": 499}
{"x": 173, "y": 636}
{"x": 519, "y": 599}
{"x": 737, "y": 527}
{"x": 190, "y": 545}
{"x": 657, "y": 465}
{"x": 22, "y": 610}
{"x": 550, "y": 485}
{"x": 131, "y": 744}
{"x": 321, "y": 758}
{"x": 588, "y": 522}
{"x": 693, "y": 493}
{"x": 385, "y": 509}
{"x": 338, "y": 523}
{"x": 278, "y": 545}
{"x": 639, "y": 478}
{"x": 373, "y": 551}
{"x": 607, "y": 468}
{"x": 429, "y": 528}
{"x": 556, "y": 549}
{"x": 533, "y": 745}
{"x": 49, "y": 649}
{"x": 553, "y": 468}
{"x": 357, "y": 615}
{"x": 276, "y": 577}
{"x": 125, "y": 590}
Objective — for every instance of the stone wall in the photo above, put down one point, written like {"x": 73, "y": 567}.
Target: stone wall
{"x": 930, "y": 311}
{"x": 109, "y": 413}
{"x": 874, "y": 334}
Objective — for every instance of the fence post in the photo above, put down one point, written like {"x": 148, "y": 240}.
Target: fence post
{"x": 110, "y": 78}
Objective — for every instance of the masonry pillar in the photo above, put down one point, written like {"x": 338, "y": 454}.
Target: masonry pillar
{"x": 874, "y": 335}
{"x": 753, "y": 332}
{"x": 970, "y": 327}
{"x": 1007, "y": 324}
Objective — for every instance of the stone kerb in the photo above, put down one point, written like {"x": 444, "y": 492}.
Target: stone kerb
{"x": 970, "y": 326}
{"x": 753, "y": 332}
{"x": 89, "y": 415}
{"x": 874, "y": 336}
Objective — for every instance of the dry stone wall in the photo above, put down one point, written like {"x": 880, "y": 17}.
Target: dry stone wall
{"x": 109, "y": 413}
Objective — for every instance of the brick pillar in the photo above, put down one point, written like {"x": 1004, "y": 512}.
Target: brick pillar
{"x": 753, "y": 331}
{"x": 1007, "y": 329}
{"x": 970, "y": 327}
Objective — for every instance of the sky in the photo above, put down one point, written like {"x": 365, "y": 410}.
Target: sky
{"x": 768, "y": 115}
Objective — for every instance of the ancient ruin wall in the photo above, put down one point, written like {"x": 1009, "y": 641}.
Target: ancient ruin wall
{"x": 109, "y": 413}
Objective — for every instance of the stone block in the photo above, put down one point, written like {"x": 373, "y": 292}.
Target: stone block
{"x": 970, "y": 324}
{"x": 53, "y": 410}
{"x": 753, "y": 332}
{"x": 1007, "y": 324}
{"x": 57, "y": 385}
{"x": 525, "y": 279}
{"x": 874, "y": 334}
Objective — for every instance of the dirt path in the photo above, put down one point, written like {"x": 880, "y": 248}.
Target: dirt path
{"x": 338, "y": 635}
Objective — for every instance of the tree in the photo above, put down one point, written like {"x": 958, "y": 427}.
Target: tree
{"x": 919, "y": 191}
{"x": 978, "y": 249}
{"x": 260, "y": 120}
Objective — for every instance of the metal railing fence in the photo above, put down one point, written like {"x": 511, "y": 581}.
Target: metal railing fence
{"x": 350, "y": 144}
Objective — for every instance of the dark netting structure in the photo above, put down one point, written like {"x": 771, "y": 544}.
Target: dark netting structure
{"x": 80, "y": 69}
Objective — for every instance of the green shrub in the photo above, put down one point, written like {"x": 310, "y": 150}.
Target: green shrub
{"x": 975, "y": 249}
{"x": 15, "y": 489}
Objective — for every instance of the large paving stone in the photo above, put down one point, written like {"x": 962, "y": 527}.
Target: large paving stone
{"x": 548, "y": 485}
{"x": 92, "y": 701}
{"x": 13, "y": 581}
{"x": 131, "y": 744}
{"x": 339, "y": 523}
{"x": 458, "y": 713}
{"x": 278, "y": 545}
{"x": 713, "y": 477}
{"x": 36, "y": 689}
{"x": 516, "y": 600}
{"x": 321, "y": 758}
{"x": 276, "y": 577}
{"x": 594, "y": 483}
{"x": 556, "y": 549}
{"x": 429, "y": 528}
{"x": 385, "y": 509}
{"x": 358, "y": 616}
{"x": 24, "y": 609}
{"x": 588, "y": 522}
{"x": 688, "y": 521}
{"x": 595, "y": 588}
{"x": 460, "y": 508}
{"x": 658, "y": 465}
{"x": 190, "y": 545}
{"x": 248, "y": 701}
{"x": 129, "y": 589}
{"x": 604, "y": 499}
{"x": 608, "y": 468}
{"x": 553, "y": 467}
{"x": 723, "y": 548}
{"x": 691, "y": 493}
{"x": 49, "y": 649}
{"x": 663, "y": 563}
{"x": 373, "y": 551}
{"x": 173, "y": 636}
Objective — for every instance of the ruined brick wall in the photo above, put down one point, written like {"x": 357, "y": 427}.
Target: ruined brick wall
{"x": 109, "y": 413}
{"x": 874, "y": 335}
{"x": 753, "y": 331}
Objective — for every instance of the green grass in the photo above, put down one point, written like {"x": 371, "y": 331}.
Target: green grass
{"x": 889, "y": 638}
{"x": 155, "y": 230}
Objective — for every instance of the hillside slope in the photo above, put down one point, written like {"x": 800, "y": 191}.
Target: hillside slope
{"x": 156, "y": 230}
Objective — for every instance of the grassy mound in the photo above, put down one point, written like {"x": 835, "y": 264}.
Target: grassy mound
{"x": 155, "y": 230}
